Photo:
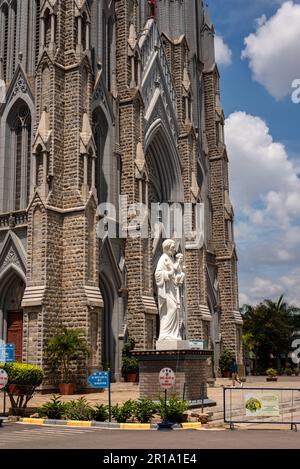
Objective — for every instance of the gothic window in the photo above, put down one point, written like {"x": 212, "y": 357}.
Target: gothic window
{"x": 39, "y": 167}
{"x": 37, "y": 29}
{"x": 107, "y": 43}
{"x": 7, "y": 40}
{"x": 83, "y": 34}
{"x": 45, "y": 87}
{"x": 47, "y": 21}
{"x": 20, "y": 156}
{"x": 4, "y": 37}
{"x": 100, "y": 135}
{"x": 85, "y": 97}
{"x": 90, "y": 169}
{"x": 14, "y": 45}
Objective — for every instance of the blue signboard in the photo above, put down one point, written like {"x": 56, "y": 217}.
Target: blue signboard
{"x": 7, "y": 353}
{"x": 99, "y": 379}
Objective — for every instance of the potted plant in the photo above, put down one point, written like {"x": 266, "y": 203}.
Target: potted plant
{"x": 271, "y": 374}
{"x": 226, "y": 359}
{"x": 63, "y": 350}
{"x": 130, "y": 365}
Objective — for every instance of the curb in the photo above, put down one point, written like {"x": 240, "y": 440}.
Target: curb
{"x": 105, "y": 425}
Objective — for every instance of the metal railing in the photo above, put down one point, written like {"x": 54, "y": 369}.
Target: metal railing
{"x": 278, "y": 406}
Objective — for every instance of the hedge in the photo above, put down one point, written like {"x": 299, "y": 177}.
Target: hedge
{"x": 23, "y": 379}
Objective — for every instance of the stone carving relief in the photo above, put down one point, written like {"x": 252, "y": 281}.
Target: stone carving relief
{"x": 20, "y": 86}
{"x": 11, "y": 258}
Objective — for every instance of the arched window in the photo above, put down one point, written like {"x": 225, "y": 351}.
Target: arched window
{"x": 19, "y": 144}
{"x": 4, "y": 38}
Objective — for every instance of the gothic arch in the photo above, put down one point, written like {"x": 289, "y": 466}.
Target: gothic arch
{"x": 12, "y": 286}
{"x": 109, "y": 341}
{"x": 161, "y": 152}
{"x": 105, "y": 163}
{"x": 17, "y": 133}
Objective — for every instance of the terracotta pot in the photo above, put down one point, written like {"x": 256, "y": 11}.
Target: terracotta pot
{"x": 66, "y": 389}
{"x": 131, "y": 377}
{"x": 227, "y": 374}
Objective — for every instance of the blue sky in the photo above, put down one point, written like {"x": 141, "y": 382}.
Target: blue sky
{"x": 262, "y": 134}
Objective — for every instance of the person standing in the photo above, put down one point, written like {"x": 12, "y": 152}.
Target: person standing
{"x": 235, "y": 376}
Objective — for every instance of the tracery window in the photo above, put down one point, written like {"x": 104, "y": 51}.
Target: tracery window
{"x": 20, "y": 156}
{"x": 8, "y": 39}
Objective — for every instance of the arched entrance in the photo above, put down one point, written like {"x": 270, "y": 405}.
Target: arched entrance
{"x": 11, "y": 314}
{"x": 108, "y": 339}
{"x": 165, "y": 187}
{"x": 113, "y": 312}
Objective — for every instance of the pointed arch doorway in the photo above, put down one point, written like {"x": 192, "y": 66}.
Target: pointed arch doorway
{"x": 12, "y": 290}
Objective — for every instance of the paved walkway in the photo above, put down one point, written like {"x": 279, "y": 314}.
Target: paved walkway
{"x": 124, "y": 391}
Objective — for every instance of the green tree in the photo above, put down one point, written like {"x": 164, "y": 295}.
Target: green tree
{"x": 268, "y": 328}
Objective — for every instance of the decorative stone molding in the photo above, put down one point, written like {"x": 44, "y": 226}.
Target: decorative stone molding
{"x": 87, "y": 142}
{"x": 140, "y": 162}
{"x": 43, "y": 133}
{"x": 205, "y": 313}
{"x": 156, "y": 77}
{"x": 12, "y": 253}
{"x": 94, "y": 297}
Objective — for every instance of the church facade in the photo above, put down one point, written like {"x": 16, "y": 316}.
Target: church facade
{"x": 105, "y": 101}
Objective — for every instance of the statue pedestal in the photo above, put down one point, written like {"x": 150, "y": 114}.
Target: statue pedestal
{"x": 172, "y": 345}
{"x": 189, "y": 366}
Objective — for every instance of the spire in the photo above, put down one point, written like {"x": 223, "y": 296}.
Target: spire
{"x": 207, "y": 41}
{"x": 207, "y": 20}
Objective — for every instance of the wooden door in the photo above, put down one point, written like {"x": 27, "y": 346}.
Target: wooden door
{"x": 15, "y": 332}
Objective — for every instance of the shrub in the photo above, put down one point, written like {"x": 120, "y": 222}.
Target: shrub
{"x": 144, "y": 410}
{"x": 54, "y": 409}
{"x": 68, "y": 346}
{"x": 23, "y": 380}
{"x": 226, "y": 359}
{"x": 122, "y": 413}
{"x": 78, "y": 409}
{"x": 100, "y": 413}
{"x": 175, "y": 406}
{"x": 129, "y": 364}
{"x": 271, "y": 373}
{"x": 288, "y": 371}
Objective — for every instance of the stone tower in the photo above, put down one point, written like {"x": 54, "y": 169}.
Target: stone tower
{"x": 106, "y": 102}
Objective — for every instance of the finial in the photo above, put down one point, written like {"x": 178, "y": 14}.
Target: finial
{"x": 20, "y": 55}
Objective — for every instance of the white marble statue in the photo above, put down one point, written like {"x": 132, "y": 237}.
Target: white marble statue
{"x": 169, "y": 277}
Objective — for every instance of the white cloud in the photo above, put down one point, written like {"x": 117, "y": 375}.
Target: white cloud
{"x": 261, "y": 21}
{"x": 266, "y": 196}
{"x": 223, "y": 52}
{"x": 273, "y": 50}
{"x": 264, "y": 180}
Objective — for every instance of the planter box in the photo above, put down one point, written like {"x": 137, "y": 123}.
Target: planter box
{"x": 271, "y": 379}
